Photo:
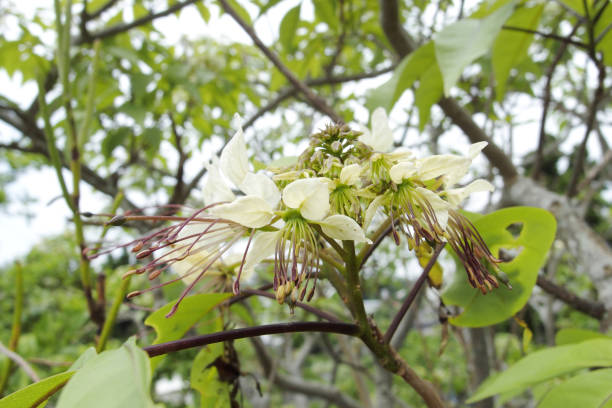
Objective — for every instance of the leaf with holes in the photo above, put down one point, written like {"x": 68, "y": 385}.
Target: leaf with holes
{"x": 532, "y": 244}
{"x": 191, "y": 310}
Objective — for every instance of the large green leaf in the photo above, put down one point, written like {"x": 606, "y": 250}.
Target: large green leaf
{"x": 204, "y": 377}
{"x": 428, "y": 93}
{"x": 190, "y": 311}
{"x": 511, "y": 47}
{"x": 35, "y": 394}
{"x": 545, "y": 364}
{"x": 572, "y": 336}
{"x": 604, "y": 44}
{"x": 288, "y": 27}
{"x": 114, "y": 378}
{"x": 407, "y": 72}
{"x": 533, "y": 242}
{"x": 588, "y": 390}
{"x": 459, "y": 44}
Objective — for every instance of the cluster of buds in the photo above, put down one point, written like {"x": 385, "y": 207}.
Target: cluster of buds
{"x": 330, "y": 193}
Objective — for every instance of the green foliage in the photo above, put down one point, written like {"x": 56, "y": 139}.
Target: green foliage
{"x": 36, "y": 394}
{"x": 459, "y": 44}
{"x": 114, "y": 378}
{"x": 545, "y": 364}
{"x": 191, "y": 310}
{"x": 535, "y": 238}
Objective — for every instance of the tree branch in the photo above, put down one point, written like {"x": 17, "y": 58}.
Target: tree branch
{"x": 594, "y": 309}
{"x": 565, "y": 40}
{"x": 277, "y": 328}
{"x": 313, "y": 99}
{"x": 121, "y": 28}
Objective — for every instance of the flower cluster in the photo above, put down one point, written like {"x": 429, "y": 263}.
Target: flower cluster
{"x": 330, "y": 194}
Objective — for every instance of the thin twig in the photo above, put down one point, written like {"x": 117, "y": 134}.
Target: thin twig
{"x": 17, "y": 359}
{"x": 413, "y": 293}
{"x": 565, "y": 40}
{"x": 594, "y": 309}
{"x": 539, "y": 157}
{"x": 348, "y": 329}
{"x": 314, "y": 100}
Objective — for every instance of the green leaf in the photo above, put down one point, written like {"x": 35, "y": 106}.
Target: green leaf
{"x": 205, "y": 379}
{"x": 407, "y": 72}
{"x": 428, "y": 93}
{"x": 241, "y": 11}
{"x": 545, "y": 364}
{"x": 591, "y": 389}
{"x": 459, "y": 44}
{"x": 325, "y": 10}
{"x": 533, "y": 242}
{"x": 114, "y": 378}
{"x": 204, "y": 12}
{"x": 190, "y": 311}
{"x": 151, "y": 139}
{"x": 35, "y": 394}
{"x": 288, "y": 27}
{"x": 113, "y": 139}
{"x": 571, "y": 336}
{"x": 605, "y": 43}
{"x": 510, "y": 47}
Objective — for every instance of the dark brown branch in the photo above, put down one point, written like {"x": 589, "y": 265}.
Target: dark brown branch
{"x": 592, "y": 308}
{"x": 578, "y": 165}
{"x": 313, "y": 99}
{"x": 404, "y": 45}
{"x": 414, "y": 291}
{"x": 121, "y": 28}
{"x": 564, "y": 40}
{"x": 348, "y": 329}
{"x": 178, "y": 195}
{"x": 537, "y": 167}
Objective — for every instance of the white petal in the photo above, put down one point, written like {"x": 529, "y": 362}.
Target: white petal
{"x": 349, "y": 175}
{"x": 340, "y": 226}
{"x": 250, "y": 211}
{"x": 382, "y": 134}
{"x": 476, "y": 148}
{"x": 439, "y": 206}
{"x": 216, "y": 190}
{"x": 371, "y": 210}
{"x": 401, "y": 171}
{"x": 439, "y": 165}
{"x": 456, "y": 196}
{"x": 310, "y": 196}
{"x": 263, "y": 246}
{"x": 190, "y": 267}
{"x": 366, "y": 136}
{"x": 234, "y": 159}
{"x": 400, "y": 154}
{"x": 262, "y": 186}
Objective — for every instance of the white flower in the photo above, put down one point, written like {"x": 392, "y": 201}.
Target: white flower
{"x": 450, "y": 167}
{"x": 311, "y": 198}
{"x": 255, "y": 209}
{"x": 455, "y": 196}
{"x": 349, "y": 175}
{"x": 380, "y": 139}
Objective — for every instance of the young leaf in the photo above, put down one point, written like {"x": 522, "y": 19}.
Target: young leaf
{"x": 459, "y": 44}
{"x": 288, "y": 26}
{"x": 35, "y": 394}
{"x": 534, "y": 241}
{"x": 115, "y": 378}
{"x": 511, "y": 47}
{"x": 192, "y": 309}
{"x": 545, "y": 364}
{"x": 412, "y": 68}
